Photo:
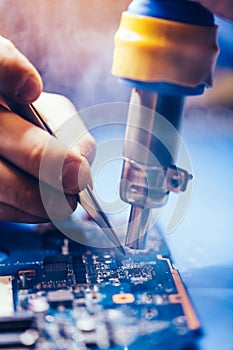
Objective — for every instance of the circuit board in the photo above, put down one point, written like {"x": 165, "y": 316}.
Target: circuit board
{"x": 56, "y": 294}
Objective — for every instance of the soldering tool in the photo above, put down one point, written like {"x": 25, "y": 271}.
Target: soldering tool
{"x": 165, "y": 50}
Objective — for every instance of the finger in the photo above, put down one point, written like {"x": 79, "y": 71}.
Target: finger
{"x": 19, "y": 80}
{"x": 21, "y": 191}
{"x": 61, "y": 114}
{"x": 9, "y": 213}
{"x": 25, "y": 145}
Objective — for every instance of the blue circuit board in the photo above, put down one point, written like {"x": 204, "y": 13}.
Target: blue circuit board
{"x": 63, "y": 295}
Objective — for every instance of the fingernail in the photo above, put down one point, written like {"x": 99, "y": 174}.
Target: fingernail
{"x": 76, "y": 176}
{"x": 28, "y": 91}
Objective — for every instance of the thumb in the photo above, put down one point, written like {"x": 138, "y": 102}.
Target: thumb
{"x": 19, "y": 80}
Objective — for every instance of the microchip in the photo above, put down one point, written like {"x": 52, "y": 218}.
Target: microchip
{"x": 79, "y": 269}
{"x": 56, "y": 267}
{"x": 60, "y": 298}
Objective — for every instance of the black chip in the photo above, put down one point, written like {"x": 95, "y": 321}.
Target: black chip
{"x": 56, "y": 267}
{"x": 17, "y": 322}
{"x": 79, "y": 269}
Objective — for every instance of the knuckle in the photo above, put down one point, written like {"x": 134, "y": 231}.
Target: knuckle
{"x": 36, "y": 155}
{"x": 63, "y": 99}
{"x": 8, "y": 51}
{"x": 6, "y": 44}
{"x": 63, "y": 102}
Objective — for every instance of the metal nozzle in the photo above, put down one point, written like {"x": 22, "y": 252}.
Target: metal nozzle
{"x": 150, "y": 150}
{"x": 136, "y": 237}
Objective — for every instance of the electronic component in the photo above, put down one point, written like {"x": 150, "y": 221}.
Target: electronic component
{"x": 60, "y": 298}
{"x": 123, "y": 298}
{"x": 6, "y": 299}
{"x": 16, "y": 331}
{"x": 56, "y": 267}
{"x": 16, "y": 322}
{"x": 94, "y": 298}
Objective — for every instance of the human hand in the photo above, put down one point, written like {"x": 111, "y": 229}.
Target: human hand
{"x": 22, "y": 146}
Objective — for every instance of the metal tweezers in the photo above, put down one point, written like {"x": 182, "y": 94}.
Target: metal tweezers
{"x": 86, "y": 197}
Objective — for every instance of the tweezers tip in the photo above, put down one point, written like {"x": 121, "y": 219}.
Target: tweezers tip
{"x": 121, "y": 249}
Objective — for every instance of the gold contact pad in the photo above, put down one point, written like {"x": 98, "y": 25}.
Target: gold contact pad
{"x": 123, "y": 298}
